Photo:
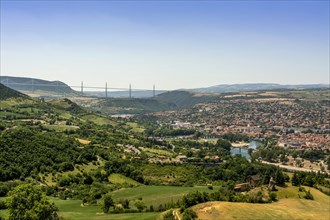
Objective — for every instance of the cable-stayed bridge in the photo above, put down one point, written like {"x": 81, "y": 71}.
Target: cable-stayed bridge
{"x": 60, "y": 89}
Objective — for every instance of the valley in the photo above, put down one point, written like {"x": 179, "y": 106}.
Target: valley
{"x": 164, "y": 161}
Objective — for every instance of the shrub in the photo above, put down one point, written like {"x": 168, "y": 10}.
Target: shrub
{"x": 272, "y": 196}
{"x": 309, "y": 195}
{"x": 189, "y": 214}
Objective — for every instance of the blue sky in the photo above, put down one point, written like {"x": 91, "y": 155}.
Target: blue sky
{"x": 173, "y": 44}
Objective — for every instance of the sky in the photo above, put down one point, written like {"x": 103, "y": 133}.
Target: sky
{"x": 170, "y": 44}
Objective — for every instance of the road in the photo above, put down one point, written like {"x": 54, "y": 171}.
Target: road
{"x": 291, "y": 167}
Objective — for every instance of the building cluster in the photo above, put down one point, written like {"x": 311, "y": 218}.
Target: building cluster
{"x": 295, "y": 124}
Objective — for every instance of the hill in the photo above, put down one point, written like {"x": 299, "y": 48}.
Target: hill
{"x": 289, "y": 207}
{"x": 164, "y": 102}
{"x": 38, "y": 87}
{"x": 224, "y": 88}
{"x": 6, "y": 93}
{"x": 183, "y": 99}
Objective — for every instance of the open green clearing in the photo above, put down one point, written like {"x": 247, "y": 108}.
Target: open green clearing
{"x": 157, "y": 152}
{"x": 98, "y": 119}
{"x": 156, "y": 195}
{"x": 135, "y": 127}
{"x": 289, "y": 206}
{"x": 72, "y": 209}
{"x": 121, "y": 179}
{"x": 151, "y": 195}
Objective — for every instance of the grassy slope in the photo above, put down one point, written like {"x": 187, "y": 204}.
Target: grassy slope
{"x": 6, "y": 93}
{"x": 156, "y": 195}
{"x": 163, "y": 102}
{"x": 151, "y": 195}
{"x": 121, "y": 179}
{"x": 99, "y": 119}
{"x": 290, "y": 206}
{"x": 72, "y": 209}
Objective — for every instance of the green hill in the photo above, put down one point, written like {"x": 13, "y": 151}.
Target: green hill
{"x": 164, "y": 102}
{"x": 182, "y": 99}
{"x": 6, "y": 93}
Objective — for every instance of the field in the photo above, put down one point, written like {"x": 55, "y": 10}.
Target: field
{"x": 72, "y": 209}
{"x": 135, "y": 127}
{"x": 157, "y": 152}
{"x": 156, "y": 195}
{"x": 121, "y": 179}
{"x": 98, "y": 119}
{"x": 289, "y": 206}
{"x": 151, "y": 195}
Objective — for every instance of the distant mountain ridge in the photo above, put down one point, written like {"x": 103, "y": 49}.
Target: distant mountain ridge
{"x": 223, "y": 88}
{"x": 26, "y": 84}
{"x": 30, "y": 85}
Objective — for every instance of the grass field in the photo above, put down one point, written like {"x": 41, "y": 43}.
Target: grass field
{"x": 289, "y": 206}
{"x": 135, "y": 127}
{"x": 121, "y": 179}
{"x": 72, "y": 210}
{"x": 156, "y": 195}
{"x": 151, "y": 195}
{"x": 99, "y": 120}
{"x": 157, "y": 152}
{"x": 61, "y": 128}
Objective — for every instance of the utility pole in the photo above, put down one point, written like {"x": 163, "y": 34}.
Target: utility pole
{"x": 82, "y": 88}
{"x": 106, "y": 90}
{"x": 130, "y": 91}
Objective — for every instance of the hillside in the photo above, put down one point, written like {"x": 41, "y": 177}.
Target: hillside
{"x": 289, "y": 207}
{"x": 182, "y": 99}
{"x": 163, "y": 102}
{"x": 6, "y": 93}
{"x": 36, "y": 86}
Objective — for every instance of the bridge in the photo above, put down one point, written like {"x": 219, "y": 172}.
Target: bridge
{"x": 31, "y": 85}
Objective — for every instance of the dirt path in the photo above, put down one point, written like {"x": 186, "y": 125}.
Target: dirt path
{"x": 176, "y": 214}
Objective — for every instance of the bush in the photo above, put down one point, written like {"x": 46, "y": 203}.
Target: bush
{"x": 189, "y": 214}
{"x": 169, "y": 215}
{"x": 210, "y": 187}
{"x": 3, "y": 205}
{"x": 107, "y": 203}
{"x": 272, "y": 196}
{"x": 309, "y": 195}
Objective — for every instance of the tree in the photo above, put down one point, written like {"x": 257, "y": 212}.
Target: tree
{"x": 189, "y": 214}
{"x": 279, "y": 177}
{"x": 224, "y": 144}
{"x": 140, "y": 205}
{"x": 107, "y": 203}
{"x": 295, "y": 179}
{"x": 28, "y": 202}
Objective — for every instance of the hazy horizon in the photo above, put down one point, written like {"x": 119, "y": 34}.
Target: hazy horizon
{"x": 173, "y": 45}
